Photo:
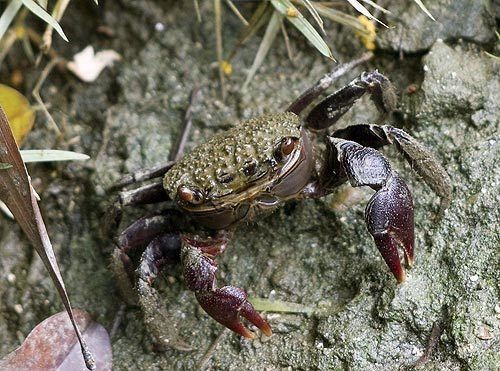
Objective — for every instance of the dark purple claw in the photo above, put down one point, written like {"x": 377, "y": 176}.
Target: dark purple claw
{"x": 226, "y": 304}
{"x": 389, "y": 218}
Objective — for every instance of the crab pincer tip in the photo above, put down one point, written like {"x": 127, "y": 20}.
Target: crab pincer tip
{"x": 247, "y": 311}
{"x": 387, "y": 246}
{"x": 246, "y": 333}
{"x": 266, "y": 329}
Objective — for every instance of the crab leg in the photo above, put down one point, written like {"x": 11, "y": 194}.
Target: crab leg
{"x": 420, "y": 158}
{"x": 389, "y": 213}
{"x": 225, "y": 304}
{"x": 333, "y": 107}
{"x": 307, "y": 97}
{"x": 161, "y": 251}
{"x": 135, "y": 238}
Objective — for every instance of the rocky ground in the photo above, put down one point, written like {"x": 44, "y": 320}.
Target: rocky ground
{"x": 314, "y": 252}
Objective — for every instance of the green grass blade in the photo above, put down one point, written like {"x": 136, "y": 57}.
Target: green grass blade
{"x": 272, "y": 30}
{"x": 422, "y": 6}
{"x": 340, "y": 17}
{"x": 314, "y": 14}
{"x": 261, "y": 304}
{"x": 49, "y": 155}
{"x": 39, "y": 12}
{"x": 4, "y": 166}
{"x": 8, "y": 15}
{"x": 360, "y": 8}
{"x": 376, "y": 6}
{"x": 303, "y": 25}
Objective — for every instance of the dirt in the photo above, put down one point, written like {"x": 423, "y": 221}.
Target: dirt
{"x": 309, "y": 252}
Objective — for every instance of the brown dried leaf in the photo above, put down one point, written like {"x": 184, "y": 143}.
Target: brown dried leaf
{"x": 53, "y": 345}
{"x": 20, "y": 197}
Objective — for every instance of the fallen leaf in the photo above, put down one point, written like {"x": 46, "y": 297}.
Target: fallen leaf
{"x": 484, "y": 333}
{"x": 19, "y": 112}
{"x": 53, "y": 345}
{"x": 21, "y": 199}
{"x": 87, "y": 65}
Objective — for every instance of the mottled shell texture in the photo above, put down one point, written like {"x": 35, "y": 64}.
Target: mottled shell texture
{"x": 232, "y": 160}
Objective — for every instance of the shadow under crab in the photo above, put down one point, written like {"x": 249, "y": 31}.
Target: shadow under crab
{"x": 249, "y": 171}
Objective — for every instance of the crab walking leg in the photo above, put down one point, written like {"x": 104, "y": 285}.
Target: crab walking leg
{"x": 148, "y": 194}
{"x": 162, "y": 250}
{"x": 307, "y": 97}
{"x": 333, "y": 107}
{"x": 135, "y": 238}
{"x": 224, "y": 304}
{"x": 420, "y": 158}
{"x": 389, "y": 213}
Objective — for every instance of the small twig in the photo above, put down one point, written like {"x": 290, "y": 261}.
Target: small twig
{"x": 57, "y": 14}
{"x": 37, "y": 40}
{"x": 211, "y": 350}
{"x": 197, "y": 10}
{"x": 287, "y": 41}
{"x": 436, "y": 332}
{"x": 36, "y": 92}
{"x": 236, "y": 12}
{"x": 218, "y": 45}
{"x": 118, "y": 320}
{"x": 178, "y": 149}
{"x": 7, "y": 42}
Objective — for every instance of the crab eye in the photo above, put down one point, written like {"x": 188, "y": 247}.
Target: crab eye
{"x": 189, "y": 195}
{"x": 285, "y": 147}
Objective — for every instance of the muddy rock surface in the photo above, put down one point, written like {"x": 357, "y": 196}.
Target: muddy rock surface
{"x": 315, "y": 253}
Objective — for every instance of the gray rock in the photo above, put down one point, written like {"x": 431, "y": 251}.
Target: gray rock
{"x": 415, "y": 32}
{"x": 308, "y": 252}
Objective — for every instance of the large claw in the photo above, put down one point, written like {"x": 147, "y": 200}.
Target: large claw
{"x": 227, "y": 304}
{"x": 389, "y": 218}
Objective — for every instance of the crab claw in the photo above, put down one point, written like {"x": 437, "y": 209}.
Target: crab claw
{"x": 226, "y": 304}
{"x": 389, "y": 218}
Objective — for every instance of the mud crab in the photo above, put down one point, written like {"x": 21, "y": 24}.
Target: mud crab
{"x": 254, "y": 168}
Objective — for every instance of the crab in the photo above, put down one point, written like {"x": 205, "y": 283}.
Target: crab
{"x": 254, "y": 168}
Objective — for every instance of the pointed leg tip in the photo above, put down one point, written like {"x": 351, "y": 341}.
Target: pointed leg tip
{"x": 400, "y": 276}
{"x": 410, "y": 261}
{"x": 246, "y": 333}
{"x": 266, "y": 330}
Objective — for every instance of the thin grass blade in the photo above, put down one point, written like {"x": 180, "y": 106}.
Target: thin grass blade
{"x": 256, "y": 21}
{"x": 39, "y": 12}
{"x": 424, "y": 9}
{"x": 376, "y": 6}
{"x": 360, "y": 8}
{"x": 268, "y": 305}
{"x": 273, "y": 27}
{"x": 340, "y": 17}
{"x": 8, "y": 15}
{"x": 303, "y": 25}
{"x": 314, "y": 14}
{"x": 50, "y": 155}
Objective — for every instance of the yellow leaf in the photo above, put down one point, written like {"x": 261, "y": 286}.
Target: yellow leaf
{"x": 19, "y": 112}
